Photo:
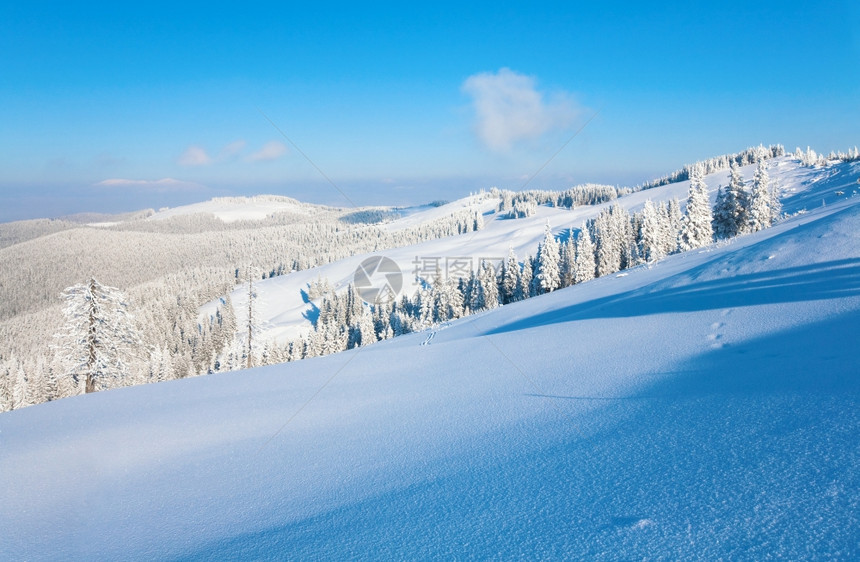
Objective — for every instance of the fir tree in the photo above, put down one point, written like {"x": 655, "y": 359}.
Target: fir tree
{"x": 510, "y": 279}
{"x": 760, "y": 214}
{"x": 674, "y": 226}
{"x": 651, "y": 233}
{"x": 489, "y": 285}
{"x": 731, "y": 207}
{"x": 584, "y": 269}
{"x": 475, "y": 292}
{"x": 252, "y": 324}
{"x": 609, "y": 241}
{"x": 696, "y": 229}
{"x": 366, "y": 329}
{"x": 567, "y": 261}
{"x": 548, "y": 272}
{"x": 775, "y": 203}
{"x": 99, "y": 338}
{"x": 524, "y": 290}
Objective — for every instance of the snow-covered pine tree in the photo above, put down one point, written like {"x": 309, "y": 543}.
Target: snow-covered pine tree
{"x": 731, "y": 207}
{"x": 584, "y": 268}
{"x": 366, "y": 329}
{"x": 252, "y": 324}
{"x": 626, "y": 226}
{"x": 489, "y": 285}
{"x": 228, "y": 326}
{"x": 19, "y": 386}
{"x": 608, "y": 243}
{"x": 775, "y": 203}
{"x": 508, "y": 292}
{"x": 567, "y": 261}
{"x": 722, "y": 217}
{"x": 99, "y": 339}
{"x": 674, "y": 226}
{"x": 526, "y": 279}
{"x": 651, "y": 233}
{"x": 548, "y": 259}
{"x": 474, "y": 292}
{"x": 447, "y": 299}
{"x": 760, "y": 215}
{"x": 478, "y": 222}
{"x": 425, "y": 313}
{"x": 6, "y": 386}
{"x": 696, "y": 229}
{"x": 534, "y": 287}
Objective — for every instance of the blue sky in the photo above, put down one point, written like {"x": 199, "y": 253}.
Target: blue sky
{"x": 118, "y": 107}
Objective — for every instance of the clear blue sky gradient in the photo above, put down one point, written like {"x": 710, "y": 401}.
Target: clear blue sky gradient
{"x": 373, "y": 94}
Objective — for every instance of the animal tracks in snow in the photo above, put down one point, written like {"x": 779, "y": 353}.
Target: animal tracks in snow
{"x": 716, "y": 335}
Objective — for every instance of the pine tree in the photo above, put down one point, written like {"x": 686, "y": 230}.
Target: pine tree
{"x": 510, "y": 279}
{"x": 548, "y": 259}
{"x": 252, "y": 324}
{"x": 99, "y": 339}
{"x": 760, "y": 215}
{"x": 6, "y": 390}
{"x": 696, "y": 229}
{"x": 651, "y": 237}
{"x": 623, "y": 224}
{"x": 526, "y": 280}
{"x": 447, "y": 299}
{"x": 489, "y": 285}
{"x": 534, "y": 286}
{"x": 608, "y": 241}
{"x": 478, "y": 221}
{"x": 674, "y": 226}
{"x": 567, "y": 261}
{"x": 775, "y": 203}
{"x": 584, "y": 269}
{"x": 366, "y": 329}
{"x": 19, "y": 387}
{"x": 731, "y": 207}
{"x": 723, "y": 214}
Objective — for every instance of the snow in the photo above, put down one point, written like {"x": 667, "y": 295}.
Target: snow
{"x": 414, "y": 216}
{"x": 284, "y": 312}
{"x": 705, "y": 406}
{"x": 231, "y": 209}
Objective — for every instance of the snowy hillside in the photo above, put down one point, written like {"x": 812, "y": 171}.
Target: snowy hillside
{"x": 231, "y": 209}
{"x": 284, "y": 310}
{"x": 706, "y": 406}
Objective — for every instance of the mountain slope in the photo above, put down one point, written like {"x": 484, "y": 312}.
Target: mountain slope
{"x": 706, "y": 407}
{"x": 284, "y": 311}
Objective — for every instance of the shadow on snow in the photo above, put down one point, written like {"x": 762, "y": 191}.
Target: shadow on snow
{"x": 828, "y": 280}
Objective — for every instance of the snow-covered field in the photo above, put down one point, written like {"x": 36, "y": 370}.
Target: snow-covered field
{"x": 707, "y": 406}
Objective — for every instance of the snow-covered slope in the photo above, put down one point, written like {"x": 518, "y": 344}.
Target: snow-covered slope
{"x": 231, "y": 209}
{"x": 284, "y": 312}
{"x": 705, "y": 407}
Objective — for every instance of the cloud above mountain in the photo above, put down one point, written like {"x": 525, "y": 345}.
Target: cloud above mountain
{"x": 509, "y": 108}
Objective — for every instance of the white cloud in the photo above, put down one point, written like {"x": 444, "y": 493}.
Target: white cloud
{"x": 194, "y": 155}
{"x": 272, "y": 150}
{"x": 509, "y": 108}
{"x": 162, "y": 185}
{"x": 232, "y": 149}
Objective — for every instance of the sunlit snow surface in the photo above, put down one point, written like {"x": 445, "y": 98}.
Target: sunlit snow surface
{"x": 231, "y": 209}
{"x": 705, "y": 407}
